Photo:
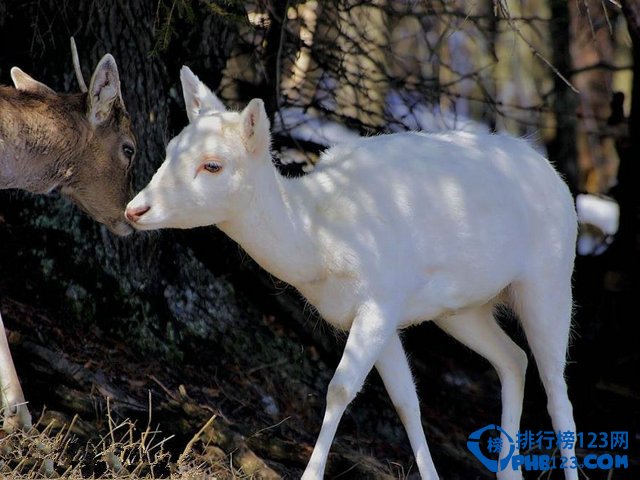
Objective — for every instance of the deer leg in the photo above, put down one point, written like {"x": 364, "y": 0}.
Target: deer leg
{"x": 14, "y": 408}
{"x": 544, "y": 306}
{"x": 478, "y": 330}
{"x": 368, "y": 336}
{"x": 393, "y": 367}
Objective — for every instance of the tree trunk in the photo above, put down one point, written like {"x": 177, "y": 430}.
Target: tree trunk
{"x": 629, "y": 172}
{"x": 562, "y": 149}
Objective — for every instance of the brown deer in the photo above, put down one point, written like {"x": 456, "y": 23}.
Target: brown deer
{"x": 81, "y": 144}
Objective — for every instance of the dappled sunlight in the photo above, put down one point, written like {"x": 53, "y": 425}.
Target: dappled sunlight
{"x": 340, "y": 188}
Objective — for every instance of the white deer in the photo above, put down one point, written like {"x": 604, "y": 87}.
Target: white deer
{"x": 388, "y": 232}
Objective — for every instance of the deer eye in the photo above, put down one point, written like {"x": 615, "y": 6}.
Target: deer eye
{"x": 128, "y": 151}
{"x": 212, "y": 167}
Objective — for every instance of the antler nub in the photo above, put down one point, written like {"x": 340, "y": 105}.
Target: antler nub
{"x": 76, "y": 66}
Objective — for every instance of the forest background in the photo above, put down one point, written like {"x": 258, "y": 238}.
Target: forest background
{"x": 177, "y": 327}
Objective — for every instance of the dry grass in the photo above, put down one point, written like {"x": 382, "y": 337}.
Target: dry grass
{"x": 51, "y": 449}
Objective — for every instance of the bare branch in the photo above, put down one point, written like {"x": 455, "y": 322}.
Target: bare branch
{"x": 503, "y": 8}
{"x": 600, "y": 66}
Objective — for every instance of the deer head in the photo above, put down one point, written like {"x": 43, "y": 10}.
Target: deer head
{"x": 91, "y": 143}
{"x": 204, "y": 178}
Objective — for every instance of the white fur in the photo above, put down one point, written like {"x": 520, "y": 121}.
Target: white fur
{"x": 14, "y": 406}
{"x": 388, "y": 232}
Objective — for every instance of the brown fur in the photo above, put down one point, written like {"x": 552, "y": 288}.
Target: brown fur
{"x": 47, "y": 142}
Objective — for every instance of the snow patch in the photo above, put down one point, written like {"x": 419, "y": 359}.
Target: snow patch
{"x": 406, "y": 112}
{"x": 599, "y": 219}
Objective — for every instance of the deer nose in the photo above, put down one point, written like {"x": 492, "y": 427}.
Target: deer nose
{"x": 134, "y": 214}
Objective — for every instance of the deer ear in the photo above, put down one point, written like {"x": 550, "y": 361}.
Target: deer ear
{"x": 104, "y": 90}
{"x": 198, "y": 98}
{"x": 255, "y": 127}
{"x": 24, "y": 82}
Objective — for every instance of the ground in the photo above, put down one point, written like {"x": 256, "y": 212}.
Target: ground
{"x": 248, "y": 398}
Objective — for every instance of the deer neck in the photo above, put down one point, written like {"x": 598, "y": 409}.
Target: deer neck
{"x": 40, "y": 142}
{"x": 276, "y": 228}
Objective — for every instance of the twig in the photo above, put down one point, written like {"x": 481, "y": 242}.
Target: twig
{"x": 606, "y": 16}
{"x": 355, "y": 465}
{"x": 110, "y": 421}
{"x": 593, "y": 30}
{"x": 266, "y": 365}
{"x": 65, "y": 443}
{"x": 269, "y": 427}
{"x": 159, "y": 444}
{"x": 533, "y": 49}
{"x": 166, "y": 390}
{"x": 147, "y": 431}
{"x": 195, "y": 438}
{"x": 283, "y": 26}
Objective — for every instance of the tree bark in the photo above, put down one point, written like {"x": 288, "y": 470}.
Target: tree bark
{"x": 562, "y": 149}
